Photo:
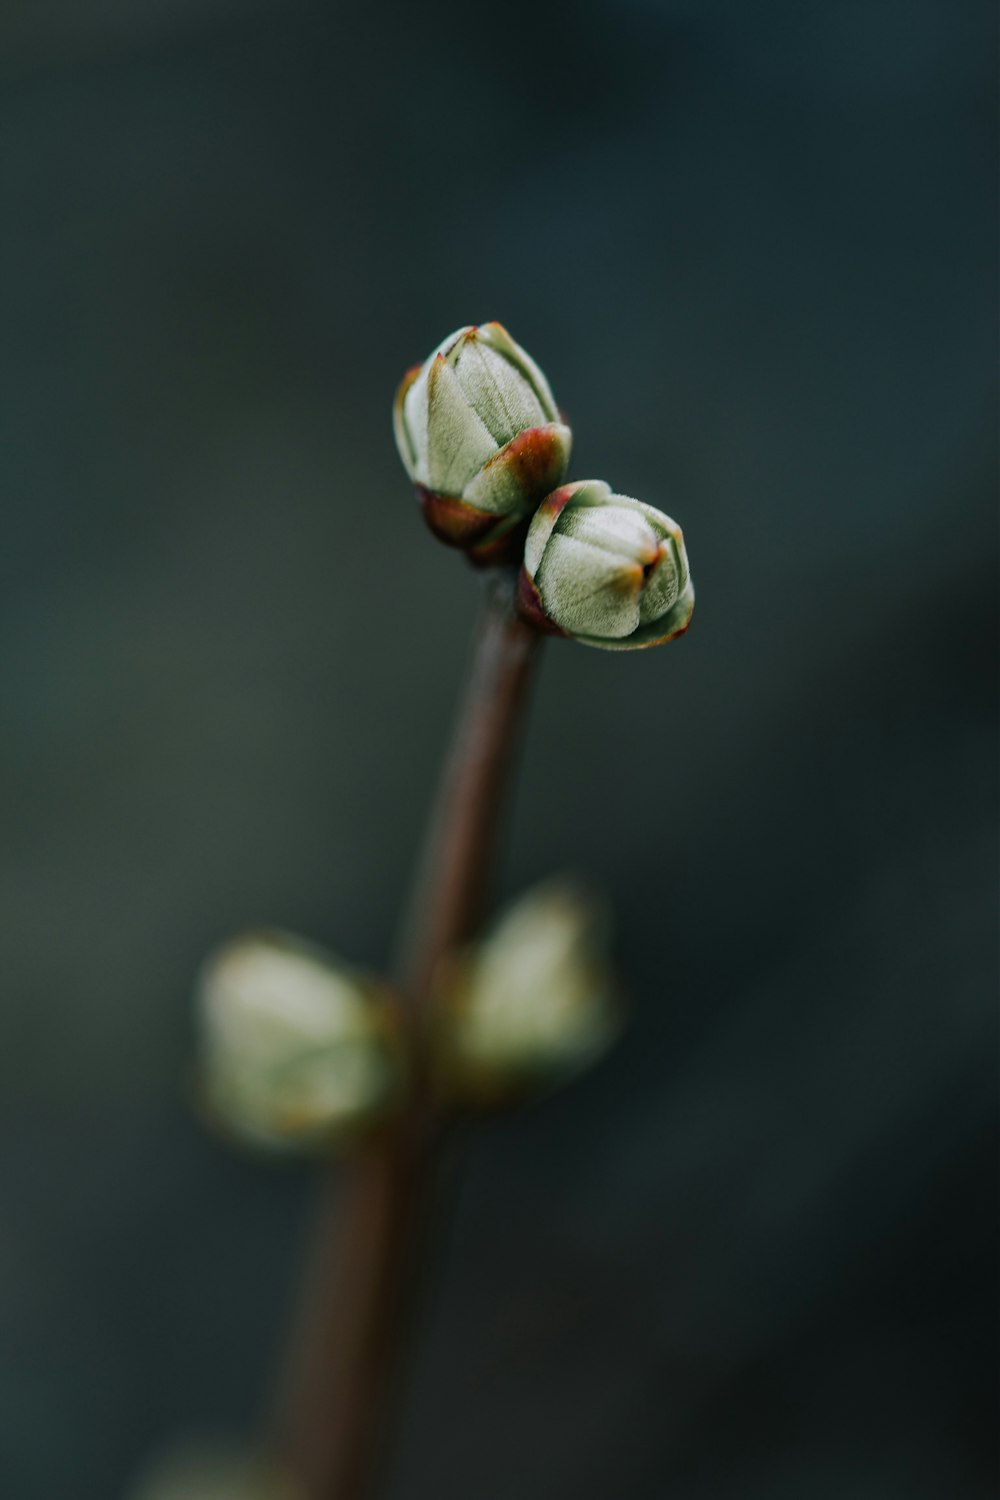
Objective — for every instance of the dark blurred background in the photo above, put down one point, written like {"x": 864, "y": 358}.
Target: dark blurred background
{"x": 753, "y": 246}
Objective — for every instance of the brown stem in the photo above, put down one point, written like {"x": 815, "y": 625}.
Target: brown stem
{"x": 346, "y": 1347}
{"x": 454, "y": 874}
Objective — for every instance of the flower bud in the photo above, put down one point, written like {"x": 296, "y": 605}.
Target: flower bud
{"x": 214, "y": 1471}
{"x": 534, "y": 1002}
{"x": 607, "y": 570}
{"x": 295, "y": 1051}
{"x": 481, "y": 438}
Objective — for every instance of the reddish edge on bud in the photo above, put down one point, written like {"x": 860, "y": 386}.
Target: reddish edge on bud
{"x": 401, "y": 390}
{"x": 530, "y": 457}
{"x": 529, "y": 605}
{"x": 675, "y": 635}
{"x": 505, "y": 547}
{"x": 557, "y": 501}
{"x": 454, "y": 522}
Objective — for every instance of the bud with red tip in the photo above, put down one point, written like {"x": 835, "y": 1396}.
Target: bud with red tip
{"x": 482, "y": 439}
{"x": 604, "y": 569}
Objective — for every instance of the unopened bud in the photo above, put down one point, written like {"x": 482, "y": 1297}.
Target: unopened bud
{"x": 214, "y": 1471}
{"x": 535, "y": 1002}
{"x": 481, "y": 437}
{"x": 296, "y": 1052}
{"x": 605, "y": 569}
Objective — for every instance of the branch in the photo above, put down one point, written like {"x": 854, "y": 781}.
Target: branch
{"x": 355, "y": 1299}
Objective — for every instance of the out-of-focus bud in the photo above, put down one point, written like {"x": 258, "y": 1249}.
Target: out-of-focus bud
{"x": 607, "y": 570}
{"x": 481, "y": 438}
{"x": 214, "y": 1471}
{"x": 532, "y": 1004}
{"x": 296, "y": 1052}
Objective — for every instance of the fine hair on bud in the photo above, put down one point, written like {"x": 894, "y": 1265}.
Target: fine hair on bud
{"x": 605, "y": 570}
{"x": 481, "y": 437}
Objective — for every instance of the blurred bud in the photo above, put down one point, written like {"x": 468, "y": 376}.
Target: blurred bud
{"x": 295, "y": 1051}
{"x": 606, "y": 570}
{"x": 481, "y": 438}
{"x": 535, "y": 1002}
{"x": 214, "y": 1471}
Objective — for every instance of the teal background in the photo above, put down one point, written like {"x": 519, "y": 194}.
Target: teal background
{"x": 754, "y": 249}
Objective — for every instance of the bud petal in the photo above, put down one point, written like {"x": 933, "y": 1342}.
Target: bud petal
{"x": 480, "y": 436}
{"x": 295, "y": 1051}
{"x": 462, "y": 441}
{"x": 524, "y": 466}
{"x": 505, "y": 402}
{"x": 535, "y": 1002}
{"x": 605, "y": 569}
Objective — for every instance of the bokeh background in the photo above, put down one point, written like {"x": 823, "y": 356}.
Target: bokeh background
{"x": 754, "y": 248}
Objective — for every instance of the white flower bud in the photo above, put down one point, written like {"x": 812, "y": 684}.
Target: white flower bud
{"x": 605, "y": 569}
{"x": 535, "y": 1001}
{"x": 481, "y": 437}
{"x": 295, "y": 1051}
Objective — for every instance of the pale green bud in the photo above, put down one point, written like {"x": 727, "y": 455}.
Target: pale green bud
{"x": 535, "y": 1001}
{"x": 605, "y": 569}
{"x": 295, "y": 1050}
{"x": 214, "y": 1471}
{"x": 481, "y": 437}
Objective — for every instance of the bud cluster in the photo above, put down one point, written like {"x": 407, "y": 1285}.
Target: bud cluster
{"x": 299, "y": 1055}
{"x": 487, "y": 448}
{"x": 297, "y": 1051}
